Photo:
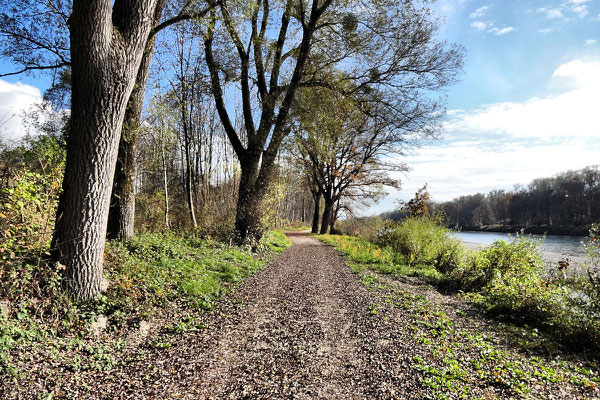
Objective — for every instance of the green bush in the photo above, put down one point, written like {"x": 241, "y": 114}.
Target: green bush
{"x": 509, "y": 276}
{"x": 520, "y": 259}
{"x": 423, "y": 241}
{"x": 30, "y": 177}
{"x": 368, "y": 228}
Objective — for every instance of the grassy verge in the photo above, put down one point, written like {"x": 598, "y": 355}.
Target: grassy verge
{"x": 459, "y": 353}
{"x": 42, "y": 330}
{"x": 364, "y": 255}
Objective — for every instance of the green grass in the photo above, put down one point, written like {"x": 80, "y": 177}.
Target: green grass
{"x": 505, "y": 280}
{"x": 364, "y": 255}
{"x": 152, "y": 271}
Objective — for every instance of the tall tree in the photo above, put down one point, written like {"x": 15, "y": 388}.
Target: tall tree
{"x": 342, "y": 150}
{"x": 107, "y": 43}
{"x": 383, "y": 48}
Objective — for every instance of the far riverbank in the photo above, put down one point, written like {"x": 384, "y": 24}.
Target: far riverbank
{"x": 536, "y": 230}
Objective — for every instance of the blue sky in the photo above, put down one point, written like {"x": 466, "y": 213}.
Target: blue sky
{"x": 527, "y": 105}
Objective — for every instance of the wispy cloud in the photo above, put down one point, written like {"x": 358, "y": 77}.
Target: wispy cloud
{"x": 551, "y": 13}
{"x": 572, "y": 113}
{"x": 488, "y": 164}
{"x": 502, "y": 31}
{"x": 501, "y": 144}
{"x": 546, "y": 30}
{"x": 479, "y": 25}
{"x": 581, "y": 10}
{"x": 590, "y": 42}
{"x": 480, "y": 12}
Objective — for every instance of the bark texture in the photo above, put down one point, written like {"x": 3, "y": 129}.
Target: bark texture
{"x": 317, "y": 213}
{"x": 121, "y": 216}
{"x": 107, "y": 44}
{"x": 325, "y": 221}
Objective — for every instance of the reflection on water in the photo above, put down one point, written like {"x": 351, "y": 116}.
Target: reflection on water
{"x": 572, "y": 245}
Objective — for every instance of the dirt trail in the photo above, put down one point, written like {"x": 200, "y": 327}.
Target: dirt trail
{"x": 302, "y": 328}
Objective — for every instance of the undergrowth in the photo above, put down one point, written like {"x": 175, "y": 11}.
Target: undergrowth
{"x": 506, "y": 279}
{"x": 149, "y": 273}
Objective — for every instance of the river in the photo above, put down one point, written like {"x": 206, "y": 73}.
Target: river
{"x": 554, "y": 244}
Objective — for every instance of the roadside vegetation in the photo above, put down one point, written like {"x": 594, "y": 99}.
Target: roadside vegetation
{"x": 508, "y": 280}
{"x": 541, "y": 334}
{"x": 165, "y": 277}
{"x": 158, "y": 282}
{"x": 548, "y": 322}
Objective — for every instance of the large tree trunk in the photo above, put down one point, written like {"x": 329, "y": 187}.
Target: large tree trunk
{"x": 250, "y": 196}
{"x": 317, "y": 213}
{"x": 326, "y": 217}
{"x": 121, "y": 215}
{"x": 107, "y": 44}
{"x": 334, "y": 217}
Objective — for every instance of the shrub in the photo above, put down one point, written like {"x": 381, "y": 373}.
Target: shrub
{"x": 368, "y": 228}
{"x": 508, "y": 276}
{"x": 423, "y": 241}
{"x": 30, "y": 176}
{"x": 592, "y": 286}
{"x": 518, "y": 259}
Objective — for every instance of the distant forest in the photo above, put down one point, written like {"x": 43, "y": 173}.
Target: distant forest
{"x": 566, "y": 203}
{"x": 569, "y": 199}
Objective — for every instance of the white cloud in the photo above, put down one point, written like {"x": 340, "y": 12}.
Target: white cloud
{"x": 14, "y": 99}
{"x": 551, "y": 13}
{"x": 467, "y": 167}
{"x": 502, "y": 31}
{"x": 499, "y": 145}
{"x": 581, "y": 11}
{"x": 590, "y": 42}
{"x": 546, "y": 30}
{"x": 571, "y": 113}
{"x": 481, "y": 11}
{"x": 480, "y": 25}
{"x": 579, "y": 1}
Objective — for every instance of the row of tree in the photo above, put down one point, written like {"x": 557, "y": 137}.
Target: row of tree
{"x": 378, "y": 60}
{"x": 570, "y": 199}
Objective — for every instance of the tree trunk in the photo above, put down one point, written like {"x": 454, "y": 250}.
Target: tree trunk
{"x": 121, "y": 214}
{"x": 189, "y": 178}
{"x": 317, "y": 213}
{"x": 165, "y": 180}
{"x": 326, "y": 217}
{"x": 248, "y": 212}
{"x": 107, "y": 44}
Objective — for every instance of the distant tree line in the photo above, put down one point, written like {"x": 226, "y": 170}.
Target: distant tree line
{"x": 569, "y": 199}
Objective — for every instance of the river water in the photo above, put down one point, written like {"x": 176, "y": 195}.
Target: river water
{"x": 573, "y": 246}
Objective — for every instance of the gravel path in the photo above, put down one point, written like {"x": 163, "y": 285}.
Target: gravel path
{"x": 303, "y": 329}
